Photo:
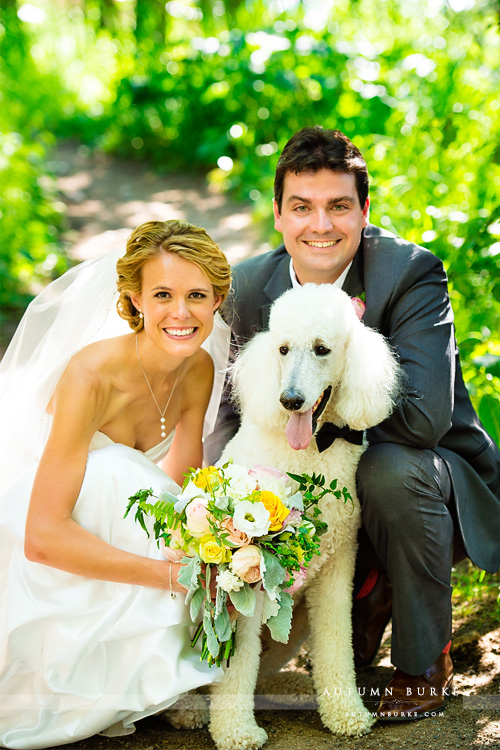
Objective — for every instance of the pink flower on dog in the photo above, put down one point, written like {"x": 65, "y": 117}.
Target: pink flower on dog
{"x": 299, "y": 577}
{"x": 260, "y": 471}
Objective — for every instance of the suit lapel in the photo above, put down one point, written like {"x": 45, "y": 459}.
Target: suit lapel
{"x": 354, "y": 284}
{"x": 279, "y": 282}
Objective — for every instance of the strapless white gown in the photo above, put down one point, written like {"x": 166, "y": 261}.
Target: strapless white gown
{"x": 81, "y": 656}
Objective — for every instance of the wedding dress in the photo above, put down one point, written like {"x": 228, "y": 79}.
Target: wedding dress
{"x": 81, "y": 656}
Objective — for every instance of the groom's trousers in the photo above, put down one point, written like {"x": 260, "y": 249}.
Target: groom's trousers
{"x": 407, "y": 507}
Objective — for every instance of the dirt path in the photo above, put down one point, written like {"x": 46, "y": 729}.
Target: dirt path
{"x": 105, "y": 199}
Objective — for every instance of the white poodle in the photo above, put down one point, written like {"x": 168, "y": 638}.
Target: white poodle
{"x": 317, "y": 363}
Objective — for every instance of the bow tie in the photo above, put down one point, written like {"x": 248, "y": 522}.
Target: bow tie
{"x": 329, "y": 432}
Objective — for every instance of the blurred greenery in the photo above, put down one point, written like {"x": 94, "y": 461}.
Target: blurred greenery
{"x": 219, "y": 87}
{"x": 471, "y": 585}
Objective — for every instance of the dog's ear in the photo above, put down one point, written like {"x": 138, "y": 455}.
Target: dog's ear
{"x": 256, "y": 379}
{"x": 371, "y": 379}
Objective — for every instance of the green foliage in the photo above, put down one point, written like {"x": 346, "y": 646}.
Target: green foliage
{"x": 470, "y": 584}
{"x": 220, "y": 87}
{"x": 31, "y": 215}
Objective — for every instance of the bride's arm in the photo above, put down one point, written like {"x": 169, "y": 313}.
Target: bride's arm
{"x": 187, "y": 449}
{"x": 52, "y": 536}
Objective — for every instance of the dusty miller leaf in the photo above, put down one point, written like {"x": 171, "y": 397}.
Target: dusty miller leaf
{"x": 222, "y": 625}
{"x": 244, "y": 600}
{"x": 280, "y": 624}
{"x": 188, "y": 574}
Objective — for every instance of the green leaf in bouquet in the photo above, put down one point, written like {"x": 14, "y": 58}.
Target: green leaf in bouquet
{"x": 279, "y": 625}
{"x": 222, "y": 625}
{"x": 223, "y": 503}
{"x": 221, "y": 595}
{"x": 270, "y": 608}
{"x": 244, "y": 600}
{"x": 181, "y": 502}
{"x": 167, "y": 497}
{"x": 196, "y": 601}
{"x": 189, "y": 573}
{"x": 296, "y": 477}
{"x": 273, "y": 573}
{"x": 295, "y": 502}
{"x": 212, "y": 642}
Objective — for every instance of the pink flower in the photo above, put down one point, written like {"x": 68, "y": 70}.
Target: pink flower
{"x": 197, "y": 517}
{"x": 294, "y": 518}
{"x": 246, "y": 563}
{"x": 173, "y": 555}
{"x": 359, "y": 306}
{"x": 235, "y": 537}
{"x": 266, "y": 472}
{"x": 299, "y": 577}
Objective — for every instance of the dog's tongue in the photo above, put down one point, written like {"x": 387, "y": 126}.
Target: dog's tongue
{"x": 299, "y": 430}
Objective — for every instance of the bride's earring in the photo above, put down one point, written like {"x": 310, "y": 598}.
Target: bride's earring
{"x": 140, "y": 314}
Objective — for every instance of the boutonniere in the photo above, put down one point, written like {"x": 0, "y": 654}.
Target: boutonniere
{"x": 359, "y": 305}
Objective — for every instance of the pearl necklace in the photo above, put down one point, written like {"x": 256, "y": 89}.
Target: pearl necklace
{"x": 162, "y": 413}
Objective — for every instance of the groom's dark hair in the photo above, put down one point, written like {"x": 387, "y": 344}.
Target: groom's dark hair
{"x": 314, "y": 148}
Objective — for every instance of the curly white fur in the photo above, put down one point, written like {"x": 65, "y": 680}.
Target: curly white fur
{"x": 363, "y": 375}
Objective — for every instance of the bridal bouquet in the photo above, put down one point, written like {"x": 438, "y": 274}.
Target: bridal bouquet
{"x": 249, "y": 529}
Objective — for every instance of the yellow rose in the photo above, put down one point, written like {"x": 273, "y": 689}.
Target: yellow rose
{"x": 277, "y": 511}
{"x": 213, "y": 552}
{"x": 207, "y": 479}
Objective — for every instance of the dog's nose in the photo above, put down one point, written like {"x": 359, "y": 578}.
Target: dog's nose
{"x": 292, "y": 400}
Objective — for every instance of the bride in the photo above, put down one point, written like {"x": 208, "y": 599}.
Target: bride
{"x": 93, "y": 635}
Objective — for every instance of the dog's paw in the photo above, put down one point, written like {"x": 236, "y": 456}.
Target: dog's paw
{"x": 190, "y": 712}
{"x": 348, "y": 722}
{"x": 242, "y": 737}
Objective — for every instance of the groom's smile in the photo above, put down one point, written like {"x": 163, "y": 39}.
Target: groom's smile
{"x": 321, "y": 220}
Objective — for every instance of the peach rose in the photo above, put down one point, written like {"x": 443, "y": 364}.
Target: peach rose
{"x": 173, "y": 555}
{"x": 197, "y": 516}
{"x": 246, "y": 563}
{"x": 277, "y": 511}
{"x": 234, "y": 537}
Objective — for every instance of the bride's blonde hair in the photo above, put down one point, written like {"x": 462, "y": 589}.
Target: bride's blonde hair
{"x": 178, "y": 237}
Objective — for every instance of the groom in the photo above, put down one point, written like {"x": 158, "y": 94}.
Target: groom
{"x": 429, "y": 482}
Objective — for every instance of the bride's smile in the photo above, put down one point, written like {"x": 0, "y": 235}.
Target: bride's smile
{"x": 178, "y": 304}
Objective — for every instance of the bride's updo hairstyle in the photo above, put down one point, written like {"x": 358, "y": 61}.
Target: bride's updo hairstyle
{"x": 179, "y": 238}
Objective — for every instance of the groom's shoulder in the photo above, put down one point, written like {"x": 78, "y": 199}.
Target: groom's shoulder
{"x": 255, "y": 271}
{"x": 382, "y": 248}
{"x": 261, "y": 263}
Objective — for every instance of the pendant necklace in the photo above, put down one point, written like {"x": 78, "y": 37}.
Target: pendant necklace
{"x": 162, "y": 413}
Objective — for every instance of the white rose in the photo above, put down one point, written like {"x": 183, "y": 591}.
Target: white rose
{"x": 251, "y": 518}
{"x": 240, "y": 482}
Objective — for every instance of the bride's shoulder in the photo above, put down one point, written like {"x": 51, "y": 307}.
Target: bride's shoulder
{"x": 94, "y": 367}
{"x": 102, "y": 356}
{"x": 200, "y": 365}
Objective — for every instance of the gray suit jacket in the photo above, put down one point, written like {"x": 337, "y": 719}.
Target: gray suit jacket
{"x": 407, "y": 301}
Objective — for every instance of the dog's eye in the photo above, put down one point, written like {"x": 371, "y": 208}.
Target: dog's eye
{"x": 321, "y": 351}
{"x": 283, "y": 350}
